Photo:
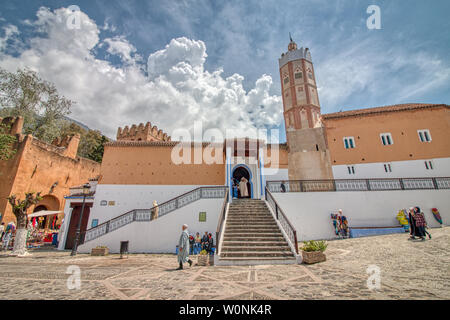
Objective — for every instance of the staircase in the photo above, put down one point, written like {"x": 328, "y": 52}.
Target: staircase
{"x": 252, "y": 236}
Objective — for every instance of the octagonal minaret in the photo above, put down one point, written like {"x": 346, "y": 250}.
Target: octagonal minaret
{"x": 308, "y": 152}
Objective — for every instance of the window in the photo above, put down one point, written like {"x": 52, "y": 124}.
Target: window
{"x": 351, "y": 169}
{"x": 94, "y": 223}
{"x": 286, "y": 80}
{"x": 424, "y": 135}
{"x": 387, "y": 167}
{"x": 298, "y": 75}
{"x": 310, "y": 75}
{"x": 349, "y": 142}
{"x": 386, "y": 139}
{"x": 429, "y": 165}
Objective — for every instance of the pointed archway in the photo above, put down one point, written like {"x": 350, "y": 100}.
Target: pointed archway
{"x": 239, "y": 172}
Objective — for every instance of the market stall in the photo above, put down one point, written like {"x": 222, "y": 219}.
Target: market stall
{"x": 43, "y": 228}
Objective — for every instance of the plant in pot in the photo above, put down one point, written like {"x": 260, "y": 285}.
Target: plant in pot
{"x": 203, "y": 258}
{"x": 100, "y": 251}
{"x": 313, "y": 251}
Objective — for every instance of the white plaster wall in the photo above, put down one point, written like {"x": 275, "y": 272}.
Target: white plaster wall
{"x": 161, "y": 235}
{"x": 62, "y": 234}
{"x": 309, "y": 212}
{"x": 400, "y": 169}
{"x": 129, "y": 197}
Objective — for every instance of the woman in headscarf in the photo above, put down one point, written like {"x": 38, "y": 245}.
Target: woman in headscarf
{"x": 420, "y": 223}
{"x": 412, "y": 224}
{"x": 243, "y": 187}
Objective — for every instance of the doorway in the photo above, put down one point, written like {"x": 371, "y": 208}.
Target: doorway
{"x": 240, "y": 172}
{"x": 70, "y": 240}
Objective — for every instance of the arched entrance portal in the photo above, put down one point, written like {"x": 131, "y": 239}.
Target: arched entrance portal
{"x": 239, "y": 172}
{"x": 48, "y": 203}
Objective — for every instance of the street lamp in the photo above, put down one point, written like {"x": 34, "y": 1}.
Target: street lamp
{"x": 86, "y": 190}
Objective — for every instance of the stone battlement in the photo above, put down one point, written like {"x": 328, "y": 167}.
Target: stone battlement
{"x": 13, "y": 124}
{"x": 142, "y": 133}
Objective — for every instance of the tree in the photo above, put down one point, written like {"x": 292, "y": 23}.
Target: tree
{"x": 6, "y": 143}
{"x": 19, "y": 208}
{"x": 91, "y": 141}
{"x": 25, "y": 94}
{"x": 97, "y": 152}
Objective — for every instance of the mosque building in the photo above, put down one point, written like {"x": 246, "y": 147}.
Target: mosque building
{"x": 392, "y": 142}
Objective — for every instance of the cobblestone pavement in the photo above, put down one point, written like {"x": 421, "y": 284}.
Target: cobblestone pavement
{"x": 409, "y": 270}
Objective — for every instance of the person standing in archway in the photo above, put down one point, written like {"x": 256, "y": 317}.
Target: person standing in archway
{"x": 243, "y": 187}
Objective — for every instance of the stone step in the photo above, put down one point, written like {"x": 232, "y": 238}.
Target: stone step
{"x": 252, "y": 234}
{"x": 237, "y": 218}
{"x": 249, "y": 214}
{"x": 251, "y": 219}
{"x": 249, "y": 229}
{"x": 257, "y": 254}
{"x": 253, "y": 239}
{"x": 252, "y": 223}
{"x": 255, "y": 249}
{"x": 237, "y": 214}
{"x": 244, "y": 238}
{"x": 255, "y": 243}
{"x": 240, "y": 210}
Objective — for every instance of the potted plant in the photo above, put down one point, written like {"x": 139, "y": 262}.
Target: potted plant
{"x": 100, "y": 251}
{"x": 313, "y": 251}
{"x": 203, "y": 258}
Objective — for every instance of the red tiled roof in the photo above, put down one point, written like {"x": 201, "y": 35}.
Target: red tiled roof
{"x": 392, "y": 108}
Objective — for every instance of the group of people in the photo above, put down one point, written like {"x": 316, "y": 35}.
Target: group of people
{"x": 417, "y": 224}
{"x": 197, "y": 243}
{"x": 6, "y": 234}
{"x": 340, "y": 224}
{"x": 187, "y": 243}
{"x": 240, "y": 188}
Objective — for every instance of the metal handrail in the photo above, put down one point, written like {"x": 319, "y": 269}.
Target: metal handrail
{"x": 145, "y": 214}
{"x": 373, "y": 184}
{"x": 221, "y": 220}
{"x": 284, "y": 221}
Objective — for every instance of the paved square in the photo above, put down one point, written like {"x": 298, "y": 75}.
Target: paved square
{"x": 409, "y": 270}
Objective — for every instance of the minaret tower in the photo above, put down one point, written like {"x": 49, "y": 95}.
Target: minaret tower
{"x": 309, "y": 157}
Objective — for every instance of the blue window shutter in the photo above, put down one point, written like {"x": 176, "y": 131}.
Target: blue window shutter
{"x": 421, "y": 136}
{"x": 384, "y": 141}
{"x": 351, "y": 143}
{"x": 346, "y": 143}
{"x": 427, "y": 138}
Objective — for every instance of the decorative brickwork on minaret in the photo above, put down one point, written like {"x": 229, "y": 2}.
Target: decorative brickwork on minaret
{"x": 142, "y": 133}
{"x": 308, "y": 152}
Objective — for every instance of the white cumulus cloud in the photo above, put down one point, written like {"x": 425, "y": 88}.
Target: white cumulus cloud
{"x": 175, "y": 92}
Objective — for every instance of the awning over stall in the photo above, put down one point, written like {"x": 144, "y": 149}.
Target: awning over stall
{"x": 43, "y": 213}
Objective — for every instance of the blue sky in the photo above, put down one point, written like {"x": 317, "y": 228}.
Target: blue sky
{"x": 408, "y": 60}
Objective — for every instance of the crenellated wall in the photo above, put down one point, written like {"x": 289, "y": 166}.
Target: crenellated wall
{"x": 42, "y": 167}
{"x": 142, "y": 133}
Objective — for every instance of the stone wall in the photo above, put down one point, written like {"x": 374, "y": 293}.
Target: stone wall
{"x": 41, "y": 167}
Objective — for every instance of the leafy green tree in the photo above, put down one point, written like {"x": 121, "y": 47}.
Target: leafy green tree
{"x": 97, "y": 152}
{"x": 91, "y": 141}
{"x": 25, "y": 94}
{"x": 19, "y": 208}
{"x": 6, "y": 143}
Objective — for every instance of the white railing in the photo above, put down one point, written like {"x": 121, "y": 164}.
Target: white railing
{"x": 140, "y": 215}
